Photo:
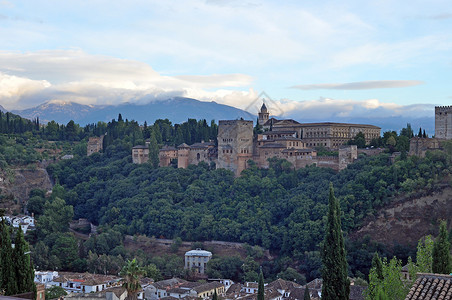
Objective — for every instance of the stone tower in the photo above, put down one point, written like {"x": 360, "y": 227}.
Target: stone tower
{"x": 263, "y": 115}
{"x": 443, "y": 122}
{"x": 235, "y": 144}
{"x": 183, "y": 150}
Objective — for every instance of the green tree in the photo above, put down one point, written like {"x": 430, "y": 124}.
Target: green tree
{"x": 260, "y": 287}
{"x": 215, "y": 295}
{"x": 381, "y": 295}
{"x": 21, "y": 262}
{"x": 334, "y": 272}
{"x": 153, "y": 272}
{"x": 7, "y": 271}
{"x": 55, "y": 292}
{"x": 424, "y": 254}
{"x": 131, "y": 273}
{"x": 376, "y": 262}
{"x": 441, "y": 251}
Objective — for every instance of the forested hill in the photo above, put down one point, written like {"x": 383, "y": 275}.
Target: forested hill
{"x": 278, "y": 208}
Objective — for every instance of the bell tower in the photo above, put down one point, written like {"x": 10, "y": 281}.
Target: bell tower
{"x": 263, "y": 115}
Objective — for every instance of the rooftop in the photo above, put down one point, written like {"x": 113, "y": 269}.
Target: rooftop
{"x": 431, "y": 286}
{"x": 198, "y": 252}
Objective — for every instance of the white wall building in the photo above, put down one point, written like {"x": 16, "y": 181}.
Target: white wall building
{"x": 197, "y": 260}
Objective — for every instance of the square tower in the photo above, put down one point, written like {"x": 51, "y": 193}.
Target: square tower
{"x": 443, "y": 122}
{"x": 235, "y": 144}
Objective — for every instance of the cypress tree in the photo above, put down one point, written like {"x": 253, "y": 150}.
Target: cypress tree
{"x": 424, "y": 135}
{"x": 21, "y": 262}
{"x": 260, "y": 287}
{"x": 334, "y": 272}
{"x": 376, "y": 263}
{"x": 215, "y": 295}
{"x": 420, "y": 132}
{"x": 307, "y": 296}
{"x": 442, "y": 263}
{"x": 7, "y": 275}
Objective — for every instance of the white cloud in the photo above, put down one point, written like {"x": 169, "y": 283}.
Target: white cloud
{"x": 31, "y": 78}
{"x": 361, "y": 85}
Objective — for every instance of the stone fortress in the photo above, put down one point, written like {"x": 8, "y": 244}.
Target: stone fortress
{"x": 443, "y": 131}
{"x": 285, "y": 139}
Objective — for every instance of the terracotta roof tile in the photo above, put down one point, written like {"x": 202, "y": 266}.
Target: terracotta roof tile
{"x": 431, "y": 286}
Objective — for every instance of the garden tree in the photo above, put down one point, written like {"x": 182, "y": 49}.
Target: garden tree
{"x": 7, "y": 269}
{"x": 131, "y": 273}
{"x": 442, "y": 263}
{"x": 307, "y": 295}
{"x": 381, "y": 295}
{"x": 424, "y": 255}
{"x": 334, "y": 272}
{"x": 55, "y": 292}
{"x": 225, "y": 267}
{"x": 24, "y": 273}
{"x": 153, "y": 272}
{"x": 292, "y": 275}
{"x": 376, "y": 277}
{"x": 250, "y": 268}
{"x": 359, "y": 140}
{"x": 215, "y": 295}
{"x": 260, "y": 287}
{"x": 376, "y": 263}
{"x": 392, "y": 285}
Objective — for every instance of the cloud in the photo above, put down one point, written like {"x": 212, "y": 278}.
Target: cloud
{"x": 361, "y": 85}
{"x": 326, "y": 109}
{"x": 442, "y": 16}
{"x": 28, "y": 79}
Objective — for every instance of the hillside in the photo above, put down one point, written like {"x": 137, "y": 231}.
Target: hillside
{"x": 407, "y": 219}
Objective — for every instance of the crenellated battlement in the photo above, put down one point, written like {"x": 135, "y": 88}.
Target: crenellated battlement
{"x": 443, "y": 108}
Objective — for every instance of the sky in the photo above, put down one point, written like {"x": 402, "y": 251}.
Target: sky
{"x": 327, "y": 58}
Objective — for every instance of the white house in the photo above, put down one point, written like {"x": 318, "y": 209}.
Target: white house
{"x": 84, "y": 283}
{"x": 45, "y": 277}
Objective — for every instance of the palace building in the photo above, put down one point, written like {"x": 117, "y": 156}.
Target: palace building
{"x": 286, "y": 139}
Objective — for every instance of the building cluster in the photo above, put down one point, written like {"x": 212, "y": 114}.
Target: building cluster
{"x": 25, "y": 222}
{"x": 237, "y": 144}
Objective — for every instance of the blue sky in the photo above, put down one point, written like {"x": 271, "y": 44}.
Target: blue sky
{"x": 348, "y": 58}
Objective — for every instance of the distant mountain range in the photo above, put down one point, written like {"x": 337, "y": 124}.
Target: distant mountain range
{"x": 177, "y": 110}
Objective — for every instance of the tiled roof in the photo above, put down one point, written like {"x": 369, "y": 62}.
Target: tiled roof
{"x": 183, "y": 145}
{"x": 234, "y": 288}
{"x": 207, "y": 287}
{"x": 169, "y": 283}
{"x": 281, "y": 284}
{"x": 431, "y": 286}
{"x": 139, "y": 147}
{"x": 178, "y": 291}
{"x": 357, "y": 292}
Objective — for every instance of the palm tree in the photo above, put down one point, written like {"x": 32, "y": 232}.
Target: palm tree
{"x": 131, "y": 273}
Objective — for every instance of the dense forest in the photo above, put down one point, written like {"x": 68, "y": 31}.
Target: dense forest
{"x": 278, "y": 208}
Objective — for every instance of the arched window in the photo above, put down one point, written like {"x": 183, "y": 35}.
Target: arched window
{"x": 198, "y": 156}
